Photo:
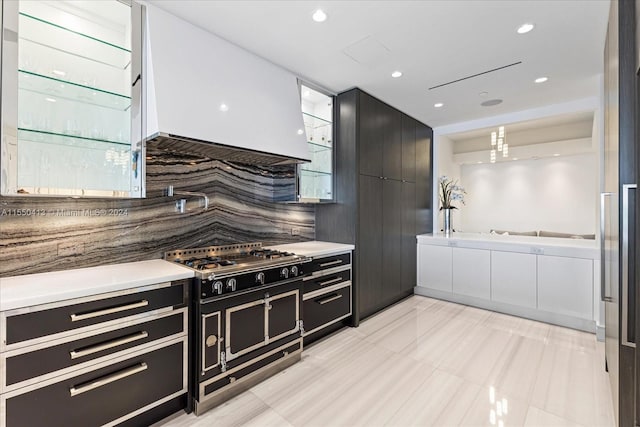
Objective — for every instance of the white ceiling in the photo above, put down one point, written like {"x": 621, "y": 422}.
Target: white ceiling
{"x": 431, "y": 42}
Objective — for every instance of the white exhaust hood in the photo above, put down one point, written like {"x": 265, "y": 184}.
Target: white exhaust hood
{"x": 208, "y": 97}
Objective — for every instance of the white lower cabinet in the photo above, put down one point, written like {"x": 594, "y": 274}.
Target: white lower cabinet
{"x": 472, "y": 272}
{"x": 513, "y": 278}
{"x": 565, "y": 286}
{"x": 551, "y": 288}
{"x": 434, "y": 267}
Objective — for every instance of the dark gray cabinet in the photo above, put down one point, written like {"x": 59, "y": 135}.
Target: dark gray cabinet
{"x": 383, "y": 195}
{"x": 409, "y": 148}
{"x": 369, "y": 245}
{"x": 391, "y": 127}
{"x": 371, "y": 136}
{"x": 409, "y": 216}
{"x": 391, "y": 241}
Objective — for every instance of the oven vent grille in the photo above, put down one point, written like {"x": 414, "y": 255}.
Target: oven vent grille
{"x": 211, "y": 251}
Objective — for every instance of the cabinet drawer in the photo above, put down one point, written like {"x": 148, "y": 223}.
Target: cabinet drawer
{"x": 43, "y": 361}
{"x": 313, "y": 284}
{"x": 36, "y": 324}
{"x": 102, "y": 395}
{"x": 328, "y": 262}
{"x": 327, "y": 308}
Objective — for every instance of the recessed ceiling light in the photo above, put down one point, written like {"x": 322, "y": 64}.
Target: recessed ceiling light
{"x": 319, "y": 16}
{"x": 479, "y": 163}
{"x": 525, "y": 28}
{"x": 491, "y": 102}
{"x": 59, "y": 73}
{"x": 438, "y": 105}
{"x": 541, "y": 79}
{"x": 515, "y": 158}
{"x": 300, "y": 131}
{"x": 396, "y": 74}
{"x": 556, "y": 155}
{"x": 50, "y": 99}
{"x": 224, "y": 107}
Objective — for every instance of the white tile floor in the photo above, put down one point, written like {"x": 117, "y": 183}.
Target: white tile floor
{"x": 427, "y": 362}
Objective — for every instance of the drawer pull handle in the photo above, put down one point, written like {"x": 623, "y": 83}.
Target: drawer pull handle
{"x": 107, "y": 345}
{"x": 92, "y": 314}
{"x": 108, "y": 379}
{"x": 329, "y": 299}
{"x": 327, "y": 264}
{"x": 328, "y": 282}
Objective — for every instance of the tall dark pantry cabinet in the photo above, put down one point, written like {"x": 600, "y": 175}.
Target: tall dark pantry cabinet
{"x": 383, "y": 197}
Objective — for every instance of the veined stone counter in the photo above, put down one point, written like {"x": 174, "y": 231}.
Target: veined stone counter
{"x": 554, "y": 280}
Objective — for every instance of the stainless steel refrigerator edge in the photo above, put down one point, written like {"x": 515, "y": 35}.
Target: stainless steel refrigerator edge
{"x": 618, "y": 208}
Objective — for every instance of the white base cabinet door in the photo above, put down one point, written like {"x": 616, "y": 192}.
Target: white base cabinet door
{"x": 565, "y": 286}
{"x": 513, "y": 278}
{"x": 434, "y": 267}
{"x": 472, "y": 272}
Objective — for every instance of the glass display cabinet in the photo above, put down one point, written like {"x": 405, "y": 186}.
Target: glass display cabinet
{"x": 316, "y": 179}
{"x": 72, "y": 122}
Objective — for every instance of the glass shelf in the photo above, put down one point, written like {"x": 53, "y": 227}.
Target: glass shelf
{"x": 315, "y": 121}
{"x": 53, "y": 138}
{"x": 75, "y": 107}
{"x": 71, "y": 91}
{"x": 318, "y": 148}
{"x": 42, "y": 32}
{"x": 315, "y": 183}
{"x": 314, "y": 172}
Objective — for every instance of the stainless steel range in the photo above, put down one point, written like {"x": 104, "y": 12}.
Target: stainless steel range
{"x": 246, "y": 317}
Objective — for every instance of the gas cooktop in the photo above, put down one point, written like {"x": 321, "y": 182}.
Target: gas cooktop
{"x": 220, "y": 261}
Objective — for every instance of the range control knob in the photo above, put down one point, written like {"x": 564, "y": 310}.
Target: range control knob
{"x": 294, "y": 271}
{"x": 231, "y": 285}
{"x": 217, "y": 287}
{"x": 284, "y": 273}
{"x": 260, "y": 278}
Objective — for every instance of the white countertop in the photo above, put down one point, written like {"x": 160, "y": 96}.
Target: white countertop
{"x": 557, "y": 246}
{"x": 42, "y": 288}
{"x": 314, "y": 248}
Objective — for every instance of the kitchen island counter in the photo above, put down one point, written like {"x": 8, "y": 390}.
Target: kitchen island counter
{"x": 576, "y": 248}
{"x": 554, "y": 280}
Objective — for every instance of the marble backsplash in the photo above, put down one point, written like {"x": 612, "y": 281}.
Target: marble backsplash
{"x": 47, "y": 234}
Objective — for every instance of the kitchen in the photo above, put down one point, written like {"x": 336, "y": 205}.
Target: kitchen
{"x": 203, "y": 156}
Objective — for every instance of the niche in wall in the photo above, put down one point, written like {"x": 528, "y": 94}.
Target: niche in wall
{"x": 549, "y": 181}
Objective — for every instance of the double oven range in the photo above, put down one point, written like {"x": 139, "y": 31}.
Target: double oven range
{"x": 246, "y": 321}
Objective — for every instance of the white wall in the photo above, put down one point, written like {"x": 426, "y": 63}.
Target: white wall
{"x": 553, "y": 194}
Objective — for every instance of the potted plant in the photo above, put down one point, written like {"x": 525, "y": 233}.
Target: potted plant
{"x": 450, "y": 192}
